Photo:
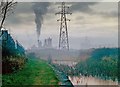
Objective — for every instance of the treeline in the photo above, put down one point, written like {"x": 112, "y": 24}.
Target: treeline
{"x": 9, "y": 46}
{"x": 13, "y": 53}
{"x": 102, "y": 52}
{"x": 103, "y": 63}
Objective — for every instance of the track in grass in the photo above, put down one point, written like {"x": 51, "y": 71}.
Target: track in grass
{"x": 36, "y": 72}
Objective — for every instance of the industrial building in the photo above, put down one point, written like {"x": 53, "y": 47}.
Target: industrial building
{"x": 48, "y": 43}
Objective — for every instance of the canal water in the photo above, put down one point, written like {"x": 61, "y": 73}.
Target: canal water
{"x": 90, "y": 81}
{"x": 82, "y": 80}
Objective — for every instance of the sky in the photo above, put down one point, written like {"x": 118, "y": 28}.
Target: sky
{"x": 93, "y": 24}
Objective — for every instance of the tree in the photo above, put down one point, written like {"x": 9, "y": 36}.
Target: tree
{"x": 6, "y": 8}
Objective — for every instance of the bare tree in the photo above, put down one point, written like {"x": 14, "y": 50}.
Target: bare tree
{"x": 6, "y": 8}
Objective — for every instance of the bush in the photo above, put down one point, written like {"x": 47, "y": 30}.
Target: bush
{"x": 12, "y": 64}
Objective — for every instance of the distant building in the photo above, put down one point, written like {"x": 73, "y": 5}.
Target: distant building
{"x": 48, "y": 43}
{"x": 39, "y": 44}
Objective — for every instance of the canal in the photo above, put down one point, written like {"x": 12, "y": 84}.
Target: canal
{"x": 82, "y": 80}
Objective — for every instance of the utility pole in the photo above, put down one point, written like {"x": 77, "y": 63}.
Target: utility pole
{"x": 63, "y": 36}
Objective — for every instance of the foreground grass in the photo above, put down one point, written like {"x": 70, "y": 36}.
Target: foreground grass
{"x": 36, "y": 72}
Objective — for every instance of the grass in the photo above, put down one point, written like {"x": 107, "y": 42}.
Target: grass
{"x": 35, "y": 72}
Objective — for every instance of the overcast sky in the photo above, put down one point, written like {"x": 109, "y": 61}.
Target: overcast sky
{"x": 92, "y": 24}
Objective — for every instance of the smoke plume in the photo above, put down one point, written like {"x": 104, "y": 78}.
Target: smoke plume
{"x": 40, "y": 9}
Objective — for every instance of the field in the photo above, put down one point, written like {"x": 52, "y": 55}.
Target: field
{"x": 35, "y": 72}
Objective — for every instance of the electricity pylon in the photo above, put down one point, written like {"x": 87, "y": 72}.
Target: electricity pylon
{"x": 63, "y": 37}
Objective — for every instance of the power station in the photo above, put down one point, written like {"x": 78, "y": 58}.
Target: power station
{"x": 63, "y": 36}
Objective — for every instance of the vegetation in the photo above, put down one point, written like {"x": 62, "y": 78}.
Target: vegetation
{"x": 13, "y": 64}
{"x": 102, "y": 63}
{"x": 13, "y": 53}
{"x": 34, "y": 73}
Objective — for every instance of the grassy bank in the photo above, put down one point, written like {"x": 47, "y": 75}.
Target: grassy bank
{"x": 35, "y": 72}
{"x": 102, "y": 63}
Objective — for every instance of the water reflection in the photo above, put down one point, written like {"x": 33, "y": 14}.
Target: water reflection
{"x": 82, "y": 80}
